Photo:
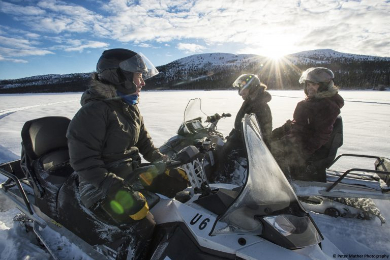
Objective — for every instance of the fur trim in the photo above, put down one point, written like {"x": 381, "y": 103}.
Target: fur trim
{"x": 332, "y": 90}
{"x": 98, "y": 91}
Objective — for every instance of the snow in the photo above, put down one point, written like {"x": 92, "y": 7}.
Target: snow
{"x": 366, "y": 131}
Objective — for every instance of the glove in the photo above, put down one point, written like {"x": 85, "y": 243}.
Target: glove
{"x": 177, "y": 173}
{"x": 124, "y": 204}
{"x": 149, "y": 173}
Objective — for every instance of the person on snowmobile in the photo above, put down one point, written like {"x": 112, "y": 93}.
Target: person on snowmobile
{"x": 256, "y": 99}
{"x": 295, "y": 141}
{"x": 105, "y": 138}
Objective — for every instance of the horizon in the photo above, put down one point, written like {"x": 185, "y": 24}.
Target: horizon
{"x": 40, "y": 37}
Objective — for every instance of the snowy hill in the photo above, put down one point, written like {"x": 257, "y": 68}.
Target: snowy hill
{"x": 324, "y": 55}
{"x": 218, "y": 71}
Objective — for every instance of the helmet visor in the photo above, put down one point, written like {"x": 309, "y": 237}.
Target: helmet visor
{"x": 316, "y": 75}
{"x": 139, "y": 63}
{"x": 243, "y": 82}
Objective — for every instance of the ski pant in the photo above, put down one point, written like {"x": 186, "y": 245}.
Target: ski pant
{"x": 139, "y": 233}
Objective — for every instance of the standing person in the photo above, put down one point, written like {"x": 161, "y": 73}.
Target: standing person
{"x": 105, "y": 138}
{"x": 256, "y": 99}
{"x": 313, "y": 119}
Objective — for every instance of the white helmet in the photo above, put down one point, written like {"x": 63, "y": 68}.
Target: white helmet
{"x": 317, "y": 75}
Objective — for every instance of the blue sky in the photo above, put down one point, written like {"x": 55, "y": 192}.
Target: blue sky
{"x": 58, "y": 37}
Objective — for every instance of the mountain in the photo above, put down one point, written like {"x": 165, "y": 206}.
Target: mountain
{"x": 218, "y": 70}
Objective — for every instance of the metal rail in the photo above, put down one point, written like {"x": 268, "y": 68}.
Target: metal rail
{"x": 22, "y": 192}
{"x": 355, "y": 169}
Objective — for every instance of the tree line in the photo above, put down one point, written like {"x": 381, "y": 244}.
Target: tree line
{"x": 349, "y": 74}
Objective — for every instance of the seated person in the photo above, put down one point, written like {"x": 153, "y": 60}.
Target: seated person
{"x": 105, "y": 138}
{"x": 313, "y": 119}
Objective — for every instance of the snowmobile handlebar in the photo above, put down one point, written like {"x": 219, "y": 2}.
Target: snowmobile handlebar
{"x": 214, "y": 118}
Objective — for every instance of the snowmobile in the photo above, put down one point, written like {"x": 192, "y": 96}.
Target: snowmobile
{"x": 193, "y": 132}
{"x": 258, "y": 219}
{"x": 319, "y": 188}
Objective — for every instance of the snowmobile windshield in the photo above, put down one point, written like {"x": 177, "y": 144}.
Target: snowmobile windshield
{"x": 139, "y": 63}
{"x": 194, "y": 110}
{"x": 193, "y": 117}
{"x": 267, "y": 204}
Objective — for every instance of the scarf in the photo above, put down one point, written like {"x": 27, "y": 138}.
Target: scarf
{"x": 129, "y": 99}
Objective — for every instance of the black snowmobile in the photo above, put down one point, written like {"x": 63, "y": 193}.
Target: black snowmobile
{"x": 259, "y": 219}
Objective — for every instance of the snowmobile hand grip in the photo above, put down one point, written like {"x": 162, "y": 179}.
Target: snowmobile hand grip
{"x": 226, "y": 115}
{"x": 145, "y": 173}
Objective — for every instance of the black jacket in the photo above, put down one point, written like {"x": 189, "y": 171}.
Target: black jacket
{"x": 105, "y": 130}
{"x": 257, "y": 103}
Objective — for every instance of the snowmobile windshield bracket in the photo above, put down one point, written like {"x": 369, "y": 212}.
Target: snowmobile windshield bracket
{"x": 353, "y": 170}
{"x": 23, "y": 194}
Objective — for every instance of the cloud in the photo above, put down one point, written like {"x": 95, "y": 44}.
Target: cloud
{"x": 190, "y": 47}
{"x": 9, "y": 53}
{"x": 79, "y": 46}
{"x": 260, "y": 26}
{"x": 13, "y": 9}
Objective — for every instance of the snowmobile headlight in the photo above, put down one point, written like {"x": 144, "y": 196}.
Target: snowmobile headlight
{"x": 298, "y": 231}
{"x": 281, "y": 224}
{"x": 243, "y": 219}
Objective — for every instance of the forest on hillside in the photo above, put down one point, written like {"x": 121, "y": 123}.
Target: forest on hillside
{"x": 349, "y": 74}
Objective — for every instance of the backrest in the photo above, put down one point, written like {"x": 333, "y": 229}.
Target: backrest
{"x": 43, "y": 135}
{"x": 45, "y": 159}
{"x": 324, "y": 156}
{"x": 316, "y": 165}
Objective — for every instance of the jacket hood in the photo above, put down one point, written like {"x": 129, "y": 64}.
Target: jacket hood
{"x": 330, "y": 92}
{"x": 98, "y": 91}
{"x": 261, "y": 95}
{"x": 338, "y": 100}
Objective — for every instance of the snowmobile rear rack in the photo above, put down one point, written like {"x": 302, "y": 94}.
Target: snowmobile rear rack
{"x": 379, "y": 159}
{"x": 15, "y": 179}
{"x": 355, "y": 182}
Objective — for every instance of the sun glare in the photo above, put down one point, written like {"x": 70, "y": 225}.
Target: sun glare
{"x": 276, "y": 56}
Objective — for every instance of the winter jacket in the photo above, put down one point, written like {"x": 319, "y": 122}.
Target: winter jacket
{"x": 106, "y": 130}
{"x": 257, "y": 103}
{"x": 313, "y": 121}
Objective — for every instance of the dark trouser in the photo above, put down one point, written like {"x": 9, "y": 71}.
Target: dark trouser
{"x": 138, "y": 232}
{"x": 226, "y": 156}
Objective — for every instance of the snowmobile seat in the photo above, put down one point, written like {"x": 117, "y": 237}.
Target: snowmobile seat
{"x": 45, "y": 158}
{"x": 81, "y": 220}
{"x": 316, "y": 165}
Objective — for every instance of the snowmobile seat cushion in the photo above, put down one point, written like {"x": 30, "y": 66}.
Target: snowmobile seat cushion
{"x": 44, "y": 135}
{"x": 53, "y": 161}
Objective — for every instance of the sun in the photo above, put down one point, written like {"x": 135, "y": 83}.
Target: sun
{"x": 277, "y": 46}
{"x": 275, "y": 55}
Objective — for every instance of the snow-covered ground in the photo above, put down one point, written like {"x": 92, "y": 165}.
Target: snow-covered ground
{"x": 366, "y": 131}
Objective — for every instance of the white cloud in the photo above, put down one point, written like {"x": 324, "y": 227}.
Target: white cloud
{"x": 13, "y": 9}
{"x": 79, "y": 46}
{"x": 190, "y": 47}
{"x": 145, "y": 45}
{"x": 12, "y": 60}
{"x": 259, "y": 26}
{"x": 14, "y": 52}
